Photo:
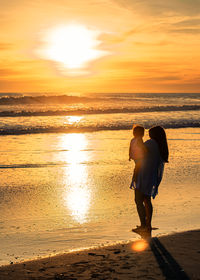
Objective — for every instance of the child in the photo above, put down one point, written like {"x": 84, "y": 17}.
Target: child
{"x": 136, "y": 150}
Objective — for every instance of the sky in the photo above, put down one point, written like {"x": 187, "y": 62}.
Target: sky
{"x": 75, "y": 46}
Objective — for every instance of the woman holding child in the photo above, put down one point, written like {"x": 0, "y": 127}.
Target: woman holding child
{"x": 149, "y": 160}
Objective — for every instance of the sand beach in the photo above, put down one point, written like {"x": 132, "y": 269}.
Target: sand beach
{"x": 173, "y": 256}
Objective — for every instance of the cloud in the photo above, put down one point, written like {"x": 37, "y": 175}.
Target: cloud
{"x": 185, "y": 30}
{"x": 189, "y": 26}
{"x": 5, "y": 46}
{"x": 111, "y": 38}
{"x": 164, "y": 78}
{"x": 151, "y": 72}
{"x": 156, "y": 43}
{"x": 144, "y": 66}
{"x": 7, "y": 72}
{"x": 158, "y": 16}
{"x": 160, "y": 7}
{"x": 189, "y": 22}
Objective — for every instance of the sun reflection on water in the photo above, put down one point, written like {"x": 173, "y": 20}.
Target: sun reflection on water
{"x": 77, "y": 194}
{"x": 73, "y": 119}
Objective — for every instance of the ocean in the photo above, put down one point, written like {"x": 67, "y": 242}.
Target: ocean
{"x": 65, "y": 173}
{"x": 47, "y": 114}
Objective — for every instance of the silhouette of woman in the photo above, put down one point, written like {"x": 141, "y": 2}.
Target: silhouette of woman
{"x": 149, "y": 176}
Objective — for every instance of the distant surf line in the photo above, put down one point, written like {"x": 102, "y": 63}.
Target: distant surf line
{"x": 80, "y": 112}
{"x": 4, "y": 132}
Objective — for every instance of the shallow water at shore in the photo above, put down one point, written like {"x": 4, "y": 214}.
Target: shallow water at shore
{"x": 68, "y": 191}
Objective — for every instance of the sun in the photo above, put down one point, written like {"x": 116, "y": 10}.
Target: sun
{"x": 72, "y": 46}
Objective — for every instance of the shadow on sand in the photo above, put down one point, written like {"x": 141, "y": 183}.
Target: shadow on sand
{"x": 168, "y": 265}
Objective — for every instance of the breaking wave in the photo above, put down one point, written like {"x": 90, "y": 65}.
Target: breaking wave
{"x": 37, "y": 130}
{"x": 91, "y": 111}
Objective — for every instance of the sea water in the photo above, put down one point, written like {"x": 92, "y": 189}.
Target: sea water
{"x": 64, "y": 177}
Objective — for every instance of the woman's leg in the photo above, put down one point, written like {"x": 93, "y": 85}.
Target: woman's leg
{"x": 148, "y": 210}
{"x": 139, "y": 198}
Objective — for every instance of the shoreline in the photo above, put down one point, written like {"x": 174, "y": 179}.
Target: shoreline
{"x": 174, "y": 253}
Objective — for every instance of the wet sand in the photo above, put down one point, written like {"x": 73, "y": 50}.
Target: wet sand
{"x": 173, "y": 256}
{"x": 46, "y": 209}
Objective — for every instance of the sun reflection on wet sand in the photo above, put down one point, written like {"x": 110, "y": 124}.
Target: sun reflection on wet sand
{"x": 77, "y": 194}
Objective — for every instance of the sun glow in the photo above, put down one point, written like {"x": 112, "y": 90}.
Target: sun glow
{"x": 140, "y": 245}
{"x": 72, "y": 46}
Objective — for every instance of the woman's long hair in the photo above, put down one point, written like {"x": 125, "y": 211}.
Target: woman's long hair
{"x": 158, "y": 134}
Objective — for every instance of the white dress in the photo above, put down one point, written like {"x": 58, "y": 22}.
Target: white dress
{"x": 151, "y": 170}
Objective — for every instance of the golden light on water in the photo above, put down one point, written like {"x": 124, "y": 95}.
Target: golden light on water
{"x": 140, "y": 245}
{"x": 78, "y": 201}
{"x": 72, "y": 46}
{"x": 77, "y": 194}
{"x": 75, "y": 143}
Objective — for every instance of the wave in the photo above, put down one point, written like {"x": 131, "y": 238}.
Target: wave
{"x": 99, "y": 111}
{"x": 28, "y": 165}
{"x": 56, "y": 99}
{"x": 38, "y": 130}
{"x": 19, "y": 99}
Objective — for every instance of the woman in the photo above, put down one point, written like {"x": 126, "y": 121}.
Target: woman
{"x": 150, "y": 175}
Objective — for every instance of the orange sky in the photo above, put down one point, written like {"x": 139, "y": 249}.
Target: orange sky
{"x": 145, "y": 46}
